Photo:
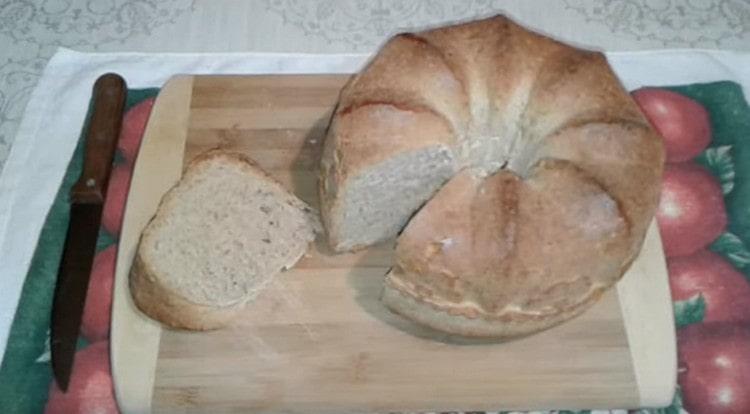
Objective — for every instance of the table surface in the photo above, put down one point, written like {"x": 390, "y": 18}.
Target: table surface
{"x": 31, "y": 30}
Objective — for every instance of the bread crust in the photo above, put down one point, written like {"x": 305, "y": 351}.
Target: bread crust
{"x": 162, "y": 303}
{"x": 455, "y": 321}
{"x": 564, "y": 113}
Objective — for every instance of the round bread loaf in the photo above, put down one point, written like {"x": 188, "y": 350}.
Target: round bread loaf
{"x": 533, "y": 175}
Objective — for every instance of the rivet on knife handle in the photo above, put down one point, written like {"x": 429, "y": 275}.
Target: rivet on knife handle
{"x": 86, "y": 204}
{"x": 109, "y": 100}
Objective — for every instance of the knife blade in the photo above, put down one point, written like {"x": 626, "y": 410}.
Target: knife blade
{"x": 86, "y": 204}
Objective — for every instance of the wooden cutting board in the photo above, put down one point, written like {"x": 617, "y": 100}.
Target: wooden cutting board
{"x": 319, "y": 340}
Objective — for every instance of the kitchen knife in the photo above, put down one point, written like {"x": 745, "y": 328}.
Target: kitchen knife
{"x": 86, "y": 203}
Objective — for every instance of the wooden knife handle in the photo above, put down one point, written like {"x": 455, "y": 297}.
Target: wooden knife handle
{"x": 101, "y": 139}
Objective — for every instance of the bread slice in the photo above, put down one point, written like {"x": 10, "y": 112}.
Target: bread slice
{"x": 218, "y": 237}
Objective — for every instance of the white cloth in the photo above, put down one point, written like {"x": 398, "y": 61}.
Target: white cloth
{"x": 53, "y": 119}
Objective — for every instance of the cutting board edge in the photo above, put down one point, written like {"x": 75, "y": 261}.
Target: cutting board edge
{"x": 652, "y": 388}
{"x": 646, "y": 305}
{"x": 134, "y": 390}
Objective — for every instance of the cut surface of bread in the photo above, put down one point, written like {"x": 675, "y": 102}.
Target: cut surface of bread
{"x": 549, "y": 181}
{"x": 218, "y": 237}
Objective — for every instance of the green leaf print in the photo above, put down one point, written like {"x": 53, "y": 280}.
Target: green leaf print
{"x": 674, "y": 408}
{"x": 730, "y": 126}
{"x": 689, "y": 311}
{"x": 719, "y": 161}
{"x": 45, "y": 356}
{"x": 733, "y": 248}
{"x": 104, "y": 240}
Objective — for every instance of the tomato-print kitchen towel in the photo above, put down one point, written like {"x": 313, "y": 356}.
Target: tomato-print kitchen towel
{"x": 26, "y": 384}
{"x": 704, "y": 218}
{"x": 704, "y": 221}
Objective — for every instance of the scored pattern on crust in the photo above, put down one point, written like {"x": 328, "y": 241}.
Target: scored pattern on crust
{"x": 563, "y": 91}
